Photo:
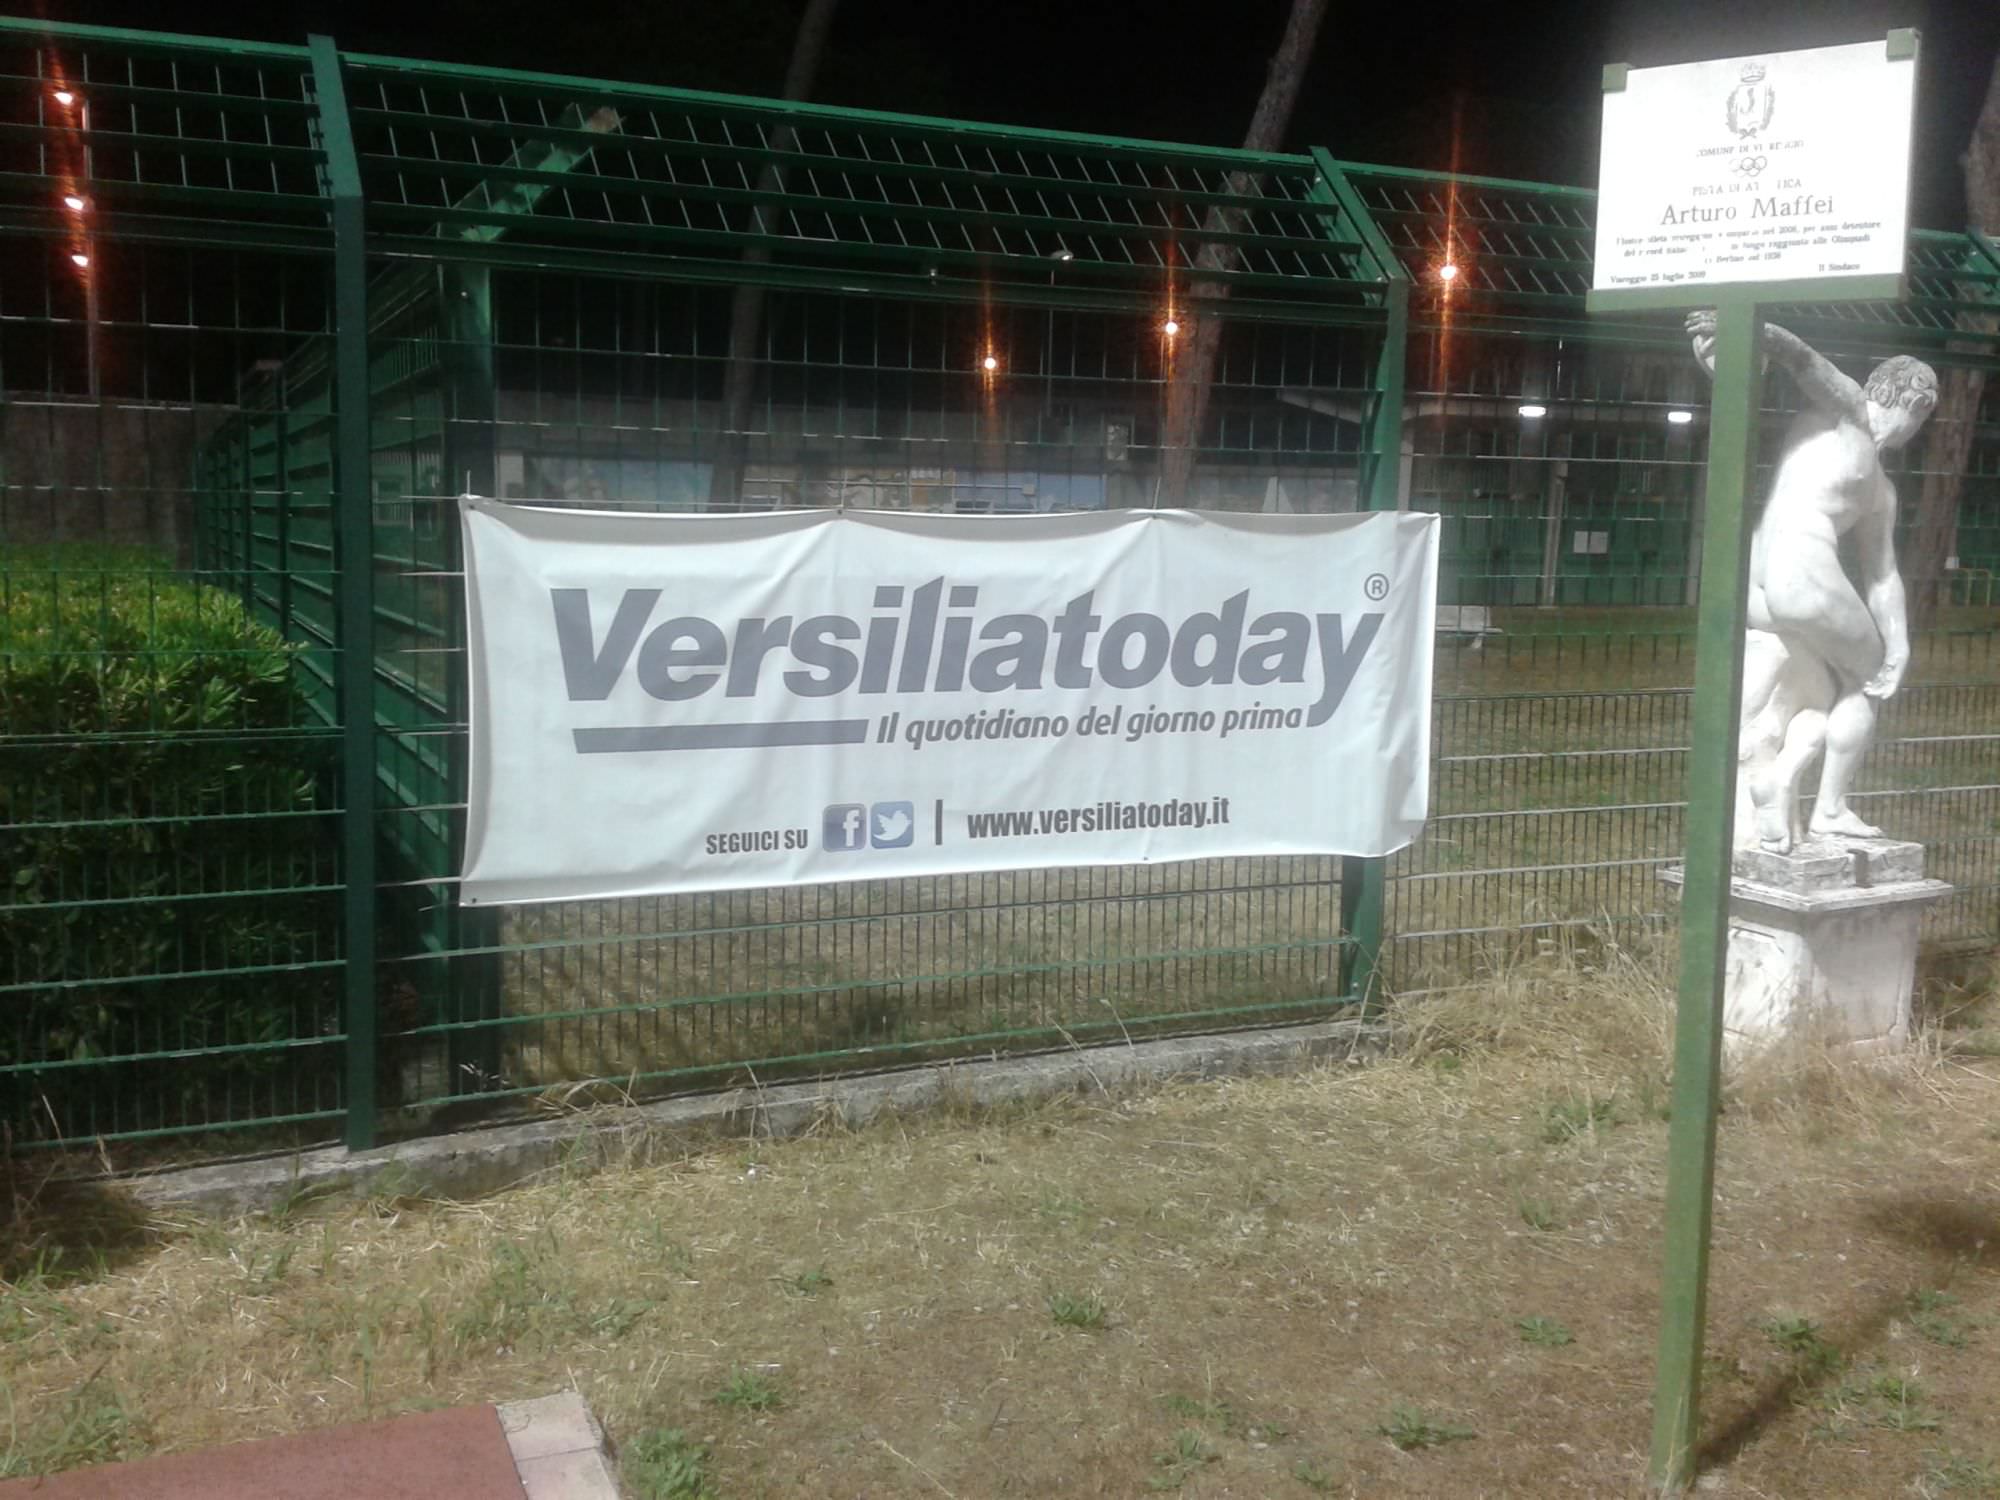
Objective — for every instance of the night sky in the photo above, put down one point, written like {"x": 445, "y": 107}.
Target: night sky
{"x": 1508, "y": 88}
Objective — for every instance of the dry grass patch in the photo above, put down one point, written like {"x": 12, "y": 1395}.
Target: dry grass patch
{"x": 1314, "y": 1284}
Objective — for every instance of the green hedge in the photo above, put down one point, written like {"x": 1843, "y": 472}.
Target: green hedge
{"x": 162, "y": 812}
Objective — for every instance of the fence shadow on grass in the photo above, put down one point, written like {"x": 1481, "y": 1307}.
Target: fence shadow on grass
{"x": 60, "y": 1231}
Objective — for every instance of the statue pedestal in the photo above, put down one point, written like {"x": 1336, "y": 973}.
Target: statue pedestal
{"x": 1827, "y": 936}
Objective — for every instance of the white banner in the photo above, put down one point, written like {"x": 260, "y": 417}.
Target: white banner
{"x": 670, "y": 702}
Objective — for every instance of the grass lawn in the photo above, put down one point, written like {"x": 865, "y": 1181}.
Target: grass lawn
{"x": 1431, "y": 1276}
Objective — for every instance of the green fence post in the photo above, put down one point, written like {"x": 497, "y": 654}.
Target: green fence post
{"x": 355, "y": 557}
{"x": 247, "y": 536}
{"x": 1364, "y": 883}
{"x": 471, "y": 386}
{"x": 1725, "y": 589}
{"x": 1385, "y": 438}
{"x": 281, "y": 492}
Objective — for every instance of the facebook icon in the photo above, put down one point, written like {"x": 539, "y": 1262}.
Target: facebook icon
{"x": 844, "y": 828}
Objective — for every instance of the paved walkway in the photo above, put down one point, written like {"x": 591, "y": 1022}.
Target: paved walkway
{"x": 550, "y": 1449}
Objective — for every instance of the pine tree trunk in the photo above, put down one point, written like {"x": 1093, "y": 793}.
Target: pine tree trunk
{"x": 746, "y": 313}
{"x": 1934, "y": 532}
{"x": 1192, "y": 371}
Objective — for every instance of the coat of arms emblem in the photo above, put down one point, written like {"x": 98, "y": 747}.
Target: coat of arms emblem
{"x": 1751, "y": 102}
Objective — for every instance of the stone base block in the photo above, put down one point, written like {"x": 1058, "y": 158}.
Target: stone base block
{"x": 1824, "y": 936}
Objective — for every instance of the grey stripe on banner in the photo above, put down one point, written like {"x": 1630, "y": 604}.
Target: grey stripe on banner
{"x": 720, "y": 736}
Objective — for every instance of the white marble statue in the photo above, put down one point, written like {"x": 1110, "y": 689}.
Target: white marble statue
{"x": 1821, "y": 648}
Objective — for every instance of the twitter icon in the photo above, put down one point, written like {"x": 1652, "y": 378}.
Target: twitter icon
{"x": 892, "y": 825}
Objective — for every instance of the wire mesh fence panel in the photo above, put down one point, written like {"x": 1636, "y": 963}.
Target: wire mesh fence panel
{"x": 1565, "y": 454}
{"x": 573, "y": 292}
{"x": 607, "y": 395}
{"x": 168, "y": 935}
{"x": 1561, "y": 810}
{"x": 695, "y": 988}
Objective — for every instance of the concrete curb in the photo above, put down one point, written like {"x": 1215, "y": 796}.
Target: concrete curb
{"x": 474, "y": 1162}
{"x": 558, "y": 1449}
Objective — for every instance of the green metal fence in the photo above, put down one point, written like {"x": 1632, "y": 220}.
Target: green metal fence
{"x": 303, "y": 299}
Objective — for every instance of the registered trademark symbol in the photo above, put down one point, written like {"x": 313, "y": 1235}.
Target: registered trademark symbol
{"x": 1377, "y": 586}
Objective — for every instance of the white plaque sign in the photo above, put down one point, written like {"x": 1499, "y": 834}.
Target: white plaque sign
{"x": 1792, "y": 166}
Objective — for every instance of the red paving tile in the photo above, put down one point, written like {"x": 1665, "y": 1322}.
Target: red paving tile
{"x": 439, "y": 1455}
